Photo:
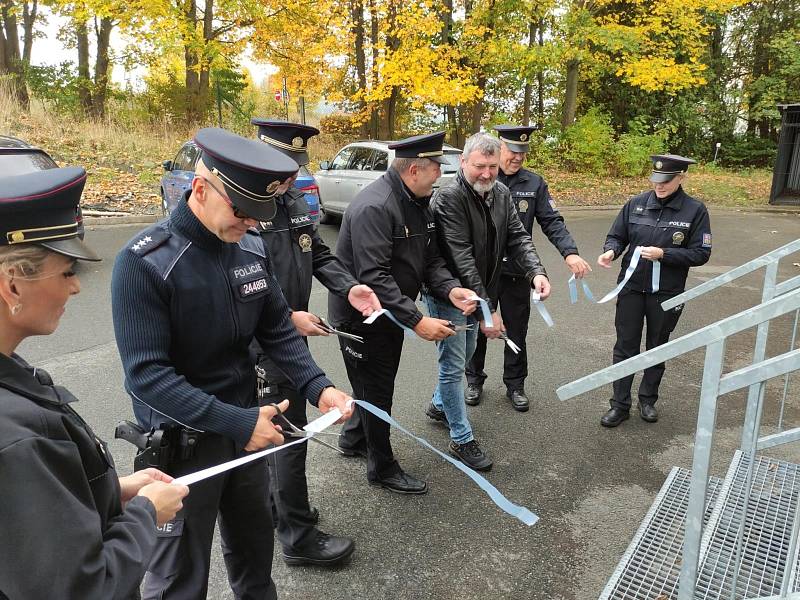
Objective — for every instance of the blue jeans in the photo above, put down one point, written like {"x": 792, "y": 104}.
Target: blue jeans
{"x": 454, "y": 353}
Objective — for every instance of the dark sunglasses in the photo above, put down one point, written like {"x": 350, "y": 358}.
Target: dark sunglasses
{"x": 236, "y": 212}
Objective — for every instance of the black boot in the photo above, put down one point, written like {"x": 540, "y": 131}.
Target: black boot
{"x": 648, "y": 413}
{"x": 614, "y": 417}
{"x": 519, "y": 401}
{"x": 473, "y": 394}
{"x": 320, "y": 549}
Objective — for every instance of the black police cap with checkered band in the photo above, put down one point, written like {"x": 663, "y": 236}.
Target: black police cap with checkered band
{"x": 289, "y": 138}
{"x": 250, "y": 170}
{"x": 41, "y": 208}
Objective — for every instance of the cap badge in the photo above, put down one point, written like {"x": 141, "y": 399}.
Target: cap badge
{"x": 17, "y": 237}
{"x": 272, "y": 187}
{"x": 297, "y": 142}
{"x": 677, "y": 237}
{"x": 523, "y": 137}
{"x": 659, "y": 164}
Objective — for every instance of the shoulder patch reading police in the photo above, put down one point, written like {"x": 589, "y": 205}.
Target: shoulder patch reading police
{"x": 706, "y": 240}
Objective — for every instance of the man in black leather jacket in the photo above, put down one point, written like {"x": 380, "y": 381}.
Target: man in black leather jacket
{"x": 477, "y": 225}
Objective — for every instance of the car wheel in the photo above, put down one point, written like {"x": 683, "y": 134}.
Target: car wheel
{"x": 164, "y": 207}
{"x": 326, "y": 218}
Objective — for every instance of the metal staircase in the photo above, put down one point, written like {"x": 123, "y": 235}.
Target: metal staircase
{"x": 705, "y": 538}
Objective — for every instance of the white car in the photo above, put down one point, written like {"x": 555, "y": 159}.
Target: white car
{"x": 359, "y": 164}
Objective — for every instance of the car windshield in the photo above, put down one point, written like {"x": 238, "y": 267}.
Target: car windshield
{"x": 18, "y": 164}
{"x": 453, "y": 162}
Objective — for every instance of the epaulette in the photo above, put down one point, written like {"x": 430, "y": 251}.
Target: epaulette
{"x": 150, "y": 239}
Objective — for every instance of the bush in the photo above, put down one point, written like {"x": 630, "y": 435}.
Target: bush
{"x": 748, "y": 150}
{"x": 339, "y": 123}
{"x": 633, "y": 150}
{"x": 588, "y": 143}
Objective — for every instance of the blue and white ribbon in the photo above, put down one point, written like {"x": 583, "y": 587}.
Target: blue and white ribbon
{"x": 573, "y": 290}
{"x": 487, "y": 314}
{"x": 519, "y": 512}
{"x": 385, "y": 311}
{"x": 537, "y": 301}
{"x": 656, "y": 276}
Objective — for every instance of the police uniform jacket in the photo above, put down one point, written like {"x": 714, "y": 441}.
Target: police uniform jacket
{"x": 62, "y": 525}
{"x": 291, "y": 235}
{"x": 679, "y": 225}
{"x": 533, "y": 202}
{"x": 475, "y": 233}
{"x": 186, "y": 307}
{"x": 388, "y": 242}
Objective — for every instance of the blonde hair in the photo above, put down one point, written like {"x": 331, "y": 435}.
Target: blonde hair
{"x": 23, "y": 262}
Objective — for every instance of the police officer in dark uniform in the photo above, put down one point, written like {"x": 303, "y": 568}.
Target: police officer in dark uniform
{"x": 534, "y": 203}
{"x": 388, "y": 241}
{"x": 673, "y": 228}
{"x": 70, "y": 526}
{"x": 300, "y": 253}
{"x": 190, "y": 294}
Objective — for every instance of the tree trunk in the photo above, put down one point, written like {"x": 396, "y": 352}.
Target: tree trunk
{"x": 540, "y": 82}
{"x": 29, "y": 13}
{"x": 12, "y": 60}
{"x": 84, "y": 81}
{"x": 191, "y": 62}
{"x": 101, "y": 67}
{"x": 374, "y": 118}
{"x": 357, "y": 28}
{"x": 526, "y": 99}
{"x": 571, "y": 95}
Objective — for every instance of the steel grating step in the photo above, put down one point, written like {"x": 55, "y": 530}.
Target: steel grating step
{"x": 650, "y": 567}
{"x": 767, "y": 531}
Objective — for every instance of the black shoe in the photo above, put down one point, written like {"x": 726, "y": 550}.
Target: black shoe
{"x": 519, "y": 401}
{"x": 321, "y": 549}
{"x": 436, "y": 414}
{"x": 648, "y": 413}
{"x": 614, "y": 417}
{"x": 471, "y": 455}
{"x": 473, "y": 394}
{"x": 401, "y": 483}
{"x": 358, "y": 451}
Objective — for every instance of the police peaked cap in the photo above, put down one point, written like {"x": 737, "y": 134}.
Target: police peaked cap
{"x": 289, "y": 138}
{"x": 428, "y": 145}
{"x": 516, "y": 137}
{"x": 250, "y": 171}
{"x": 41, "y": 208}
{"x": 667, "y": 166}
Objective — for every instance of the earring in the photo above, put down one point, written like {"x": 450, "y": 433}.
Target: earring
{"x": 16, "y": 308}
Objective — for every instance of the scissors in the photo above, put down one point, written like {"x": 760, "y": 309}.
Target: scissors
{"x": 290, "y": 430}
{"x": 455, "y": 327}
{"x": 331, "y": 329}
{"x": 514, "y": 348}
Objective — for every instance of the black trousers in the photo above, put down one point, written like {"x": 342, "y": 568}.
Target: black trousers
{"x": 633, "y": 308}
{"x": 287, "y": 472}
{"x": 515, "y": 307}
{"x": 239, "y": 499}
{"x": 371, "y": 369}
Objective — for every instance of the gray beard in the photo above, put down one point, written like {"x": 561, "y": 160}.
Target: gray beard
{"x": 482, "y": 188}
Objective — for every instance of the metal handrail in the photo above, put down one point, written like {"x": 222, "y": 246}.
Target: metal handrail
{"x": 714, "y": 384}
{"x": 733, "y": 274}
{"x": 691, "y": 341}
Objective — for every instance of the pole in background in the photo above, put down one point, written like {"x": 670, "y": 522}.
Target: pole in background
{"x": 302, "y": 110}
{"x": 219, "y": 105}
{"x": 716, "y": 150}
{"x": 285, "y": 93}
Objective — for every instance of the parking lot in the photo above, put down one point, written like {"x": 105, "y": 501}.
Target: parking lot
{"x": 589, "y": 486}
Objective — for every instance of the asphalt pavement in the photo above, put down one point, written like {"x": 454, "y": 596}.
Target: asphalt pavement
{"x": 590, "y": 486}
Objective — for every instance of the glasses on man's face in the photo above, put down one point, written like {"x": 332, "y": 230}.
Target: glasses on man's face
{"x": 236, "y": 212}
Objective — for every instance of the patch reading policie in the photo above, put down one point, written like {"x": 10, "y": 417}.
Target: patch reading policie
{"x": 250, "y": 280}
